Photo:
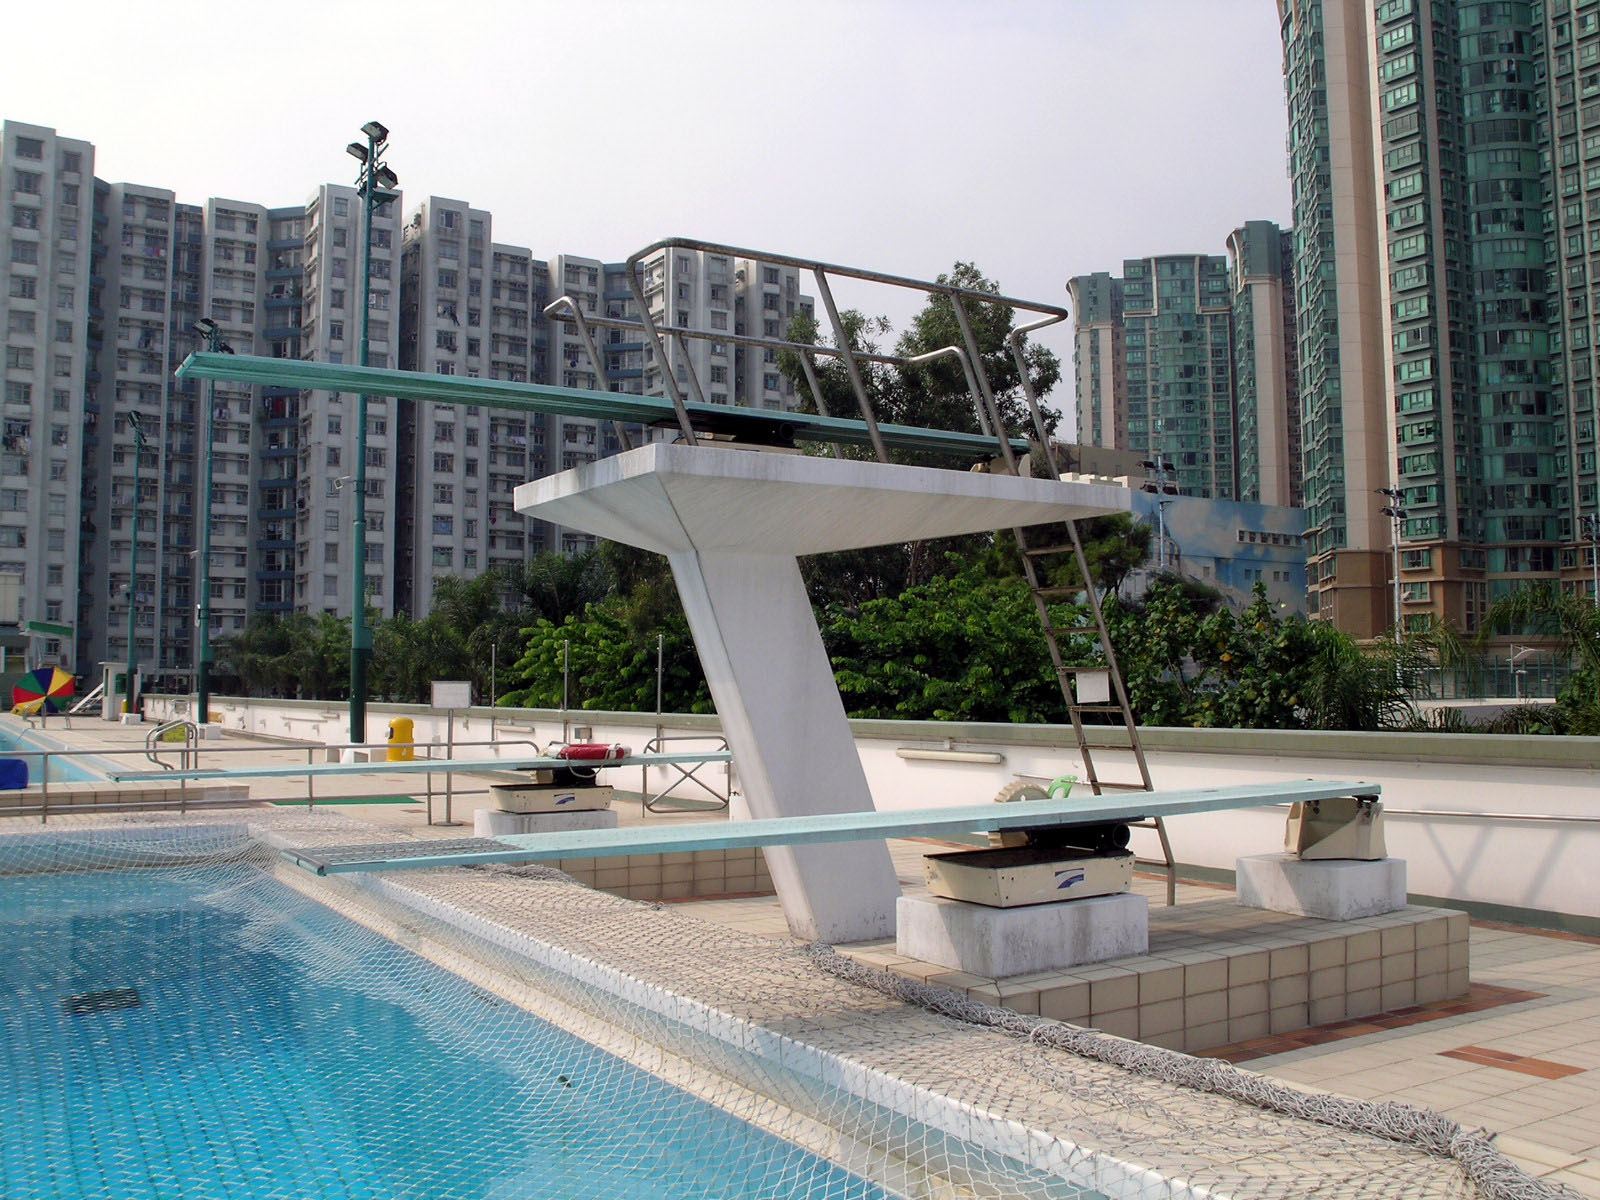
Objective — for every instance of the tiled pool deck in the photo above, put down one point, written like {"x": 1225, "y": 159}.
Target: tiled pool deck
{"x": 1519, "y": 1054}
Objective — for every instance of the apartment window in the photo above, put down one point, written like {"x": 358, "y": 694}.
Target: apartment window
{"x": 336, "y": 331}
{"x": 23, "y": 217}
{"x": 23, "y": 287}
{"x": 25, "y": 252}
{"x": 330, "y": 521}
{"x": 447, "y": 280}
{"x": 444, "y": 525}
{"x": 341, "y": 206}
{"x": 444, "y": 493}
{"x": 442, "y": 556}
{"x": 444, "y": 462}
{"x": 27, "y": 182}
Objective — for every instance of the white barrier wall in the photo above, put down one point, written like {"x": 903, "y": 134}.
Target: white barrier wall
{"x": 1511, "y": 858}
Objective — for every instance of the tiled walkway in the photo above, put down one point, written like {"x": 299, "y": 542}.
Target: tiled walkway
{"x": 1519, "y": 1057}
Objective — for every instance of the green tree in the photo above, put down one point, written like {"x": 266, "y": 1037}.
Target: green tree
{"x": 936, "y": 393}
{"x": 553, "y": 586}
{"x": 962, "y": 647}
{"x": 1191, "y": 662}
{"x": 1574, "y": 623}
{"x": 607, "y": 665}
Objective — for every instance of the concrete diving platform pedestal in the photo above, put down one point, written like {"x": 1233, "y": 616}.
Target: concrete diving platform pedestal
{"x": 731, "y": 523}
{"x": 1001, "y": 942}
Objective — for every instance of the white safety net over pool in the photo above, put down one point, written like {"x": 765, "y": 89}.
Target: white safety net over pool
{"x": 191, "y": 1016}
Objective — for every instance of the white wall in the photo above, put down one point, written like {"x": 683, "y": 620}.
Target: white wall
{"x": 1511, "y": 861}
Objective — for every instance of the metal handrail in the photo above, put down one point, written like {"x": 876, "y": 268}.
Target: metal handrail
{"x": 655, "y": 746}
{"x": 45, "y": 757}
{"x": 191, "y": 736}
{"x": 820, "y": 271}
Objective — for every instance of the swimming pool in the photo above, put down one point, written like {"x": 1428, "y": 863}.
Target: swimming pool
{"x": 217, "y": 1034}
{"x": 62, "y": 770}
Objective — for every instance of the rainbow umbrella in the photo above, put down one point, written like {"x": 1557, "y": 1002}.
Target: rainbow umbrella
{"x": 45, "y": 688}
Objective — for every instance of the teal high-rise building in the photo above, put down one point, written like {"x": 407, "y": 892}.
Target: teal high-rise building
{"x": 1155, "y": 367}
{"x": 1445, "y": 161}
{"x": 1185, "y": 359}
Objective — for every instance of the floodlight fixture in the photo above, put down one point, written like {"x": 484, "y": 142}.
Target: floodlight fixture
{"x": 205, "y": 326}
{"x": 356, "y": 150}
{"x": 386, "y": 178}
{"x": 376, "y": 131}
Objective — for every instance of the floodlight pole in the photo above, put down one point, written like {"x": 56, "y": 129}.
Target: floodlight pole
{"x": 1590, "y": 525}
{"x": 129, "y": 695}
{"x": 203, "y": 659}
{"x": 1397, "y": 515}
{"x": 367, "y": 186}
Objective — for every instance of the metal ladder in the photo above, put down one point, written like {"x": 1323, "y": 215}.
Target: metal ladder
{"x": 1036, "y": 546}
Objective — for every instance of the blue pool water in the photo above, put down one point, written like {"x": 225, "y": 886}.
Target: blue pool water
{"x": 218, "y": 1035}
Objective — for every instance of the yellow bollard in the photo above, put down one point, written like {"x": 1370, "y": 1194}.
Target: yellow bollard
{"x": 401, "y": 748}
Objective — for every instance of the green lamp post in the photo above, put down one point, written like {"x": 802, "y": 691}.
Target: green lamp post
{"x": 130, "y": 696}
{"x": 207, "y": 328}
{"x": 375, "y": 183}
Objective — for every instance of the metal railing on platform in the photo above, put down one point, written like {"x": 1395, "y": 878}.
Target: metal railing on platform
{"x": 427, "y": 766}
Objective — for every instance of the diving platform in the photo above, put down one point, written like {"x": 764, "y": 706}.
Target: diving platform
{"x": 749, "y": 425}
{"x": 810, "y": 829}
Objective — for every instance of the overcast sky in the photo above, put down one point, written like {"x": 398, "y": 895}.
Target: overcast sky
{"x": 1037, "y": 139}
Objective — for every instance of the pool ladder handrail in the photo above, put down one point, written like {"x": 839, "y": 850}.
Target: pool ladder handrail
{"x": 188, "y": 757}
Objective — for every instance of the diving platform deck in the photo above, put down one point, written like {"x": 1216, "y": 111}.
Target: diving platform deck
{"x": 744, "y": 424}
{"x": 810, "y": 829}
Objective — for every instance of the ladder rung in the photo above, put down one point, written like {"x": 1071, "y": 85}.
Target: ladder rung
{"x": 1057, "y": 593}
{"x": 1046, "y": 551}
{"x": 1078, "y": 629}
{"x": 1116, "y": 708}
{"x": 1105, "y": 785}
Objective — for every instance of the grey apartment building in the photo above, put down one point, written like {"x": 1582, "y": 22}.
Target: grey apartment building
{"x": 101, "y": 285}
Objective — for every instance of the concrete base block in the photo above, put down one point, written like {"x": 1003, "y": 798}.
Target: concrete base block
{"x": 1000, "y": 942}
{"x": 210, "y": 730}
{"x": 1333, "y": 889}
{"x": 488, "y": 822}
{"x": 132, "y": 719}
